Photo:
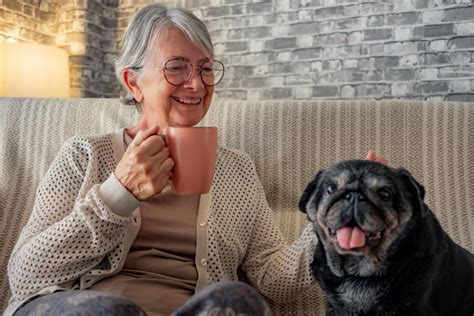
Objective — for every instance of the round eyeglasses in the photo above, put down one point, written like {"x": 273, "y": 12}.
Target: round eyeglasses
{"x": 178, "y": 71}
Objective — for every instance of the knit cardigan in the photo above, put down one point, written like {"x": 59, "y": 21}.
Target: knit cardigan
{"x": 75, "y": 237}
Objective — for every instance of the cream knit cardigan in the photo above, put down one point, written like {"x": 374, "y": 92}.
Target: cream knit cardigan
{"x": 84, "y": 222}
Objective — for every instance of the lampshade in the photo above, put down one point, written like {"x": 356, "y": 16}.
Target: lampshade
{"x": 33, "y": 70}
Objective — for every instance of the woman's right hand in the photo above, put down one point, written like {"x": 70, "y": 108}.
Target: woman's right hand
{"x": 371, "y": 155}
{"x": 145, "y": 168}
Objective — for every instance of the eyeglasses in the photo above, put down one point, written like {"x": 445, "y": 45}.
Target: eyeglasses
{"x": 178, "y": 71}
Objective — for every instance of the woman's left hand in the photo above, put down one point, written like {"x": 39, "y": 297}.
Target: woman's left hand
{"x": 371, "y": 155}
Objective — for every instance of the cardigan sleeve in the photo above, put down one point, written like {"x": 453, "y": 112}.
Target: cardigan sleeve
{"x": 277, "y": 269}
{"x": 71, "y": 229}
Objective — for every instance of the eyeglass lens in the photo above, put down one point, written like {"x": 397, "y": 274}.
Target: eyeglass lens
{"x": 179, "y": 71}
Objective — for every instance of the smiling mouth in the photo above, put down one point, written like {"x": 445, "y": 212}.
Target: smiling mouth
{"x": 187, "y": 101}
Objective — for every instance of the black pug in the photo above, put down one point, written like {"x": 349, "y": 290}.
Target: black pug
{"x": 381, "y": 250}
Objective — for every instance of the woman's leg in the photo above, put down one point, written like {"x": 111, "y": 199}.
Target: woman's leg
{"x": 225, "y": 298}
{"x": 80, "y": 302}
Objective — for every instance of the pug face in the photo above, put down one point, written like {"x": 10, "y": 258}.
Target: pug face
{"x": 359, "y": 209}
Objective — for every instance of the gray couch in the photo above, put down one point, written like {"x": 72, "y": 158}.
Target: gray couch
{"x": 288, "y": 140}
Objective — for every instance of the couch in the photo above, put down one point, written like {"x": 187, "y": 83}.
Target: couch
{"x": 288, "y": 140}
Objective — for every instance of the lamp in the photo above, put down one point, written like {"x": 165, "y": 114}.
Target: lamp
{"x": 33, "y": 70}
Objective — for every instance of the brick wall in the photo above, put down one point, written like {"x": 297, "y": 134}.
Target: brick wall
{"x": 87, "y": 29}
{"x": 332, "y": 49}
{"x": 90, "y": 30}
{"x": 272, "y": 49}
{"x": 27, "y": 20}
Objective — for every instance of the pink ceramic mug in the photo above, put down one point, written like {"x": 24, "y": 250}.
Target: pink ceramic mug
{"x": 194, "y": 152}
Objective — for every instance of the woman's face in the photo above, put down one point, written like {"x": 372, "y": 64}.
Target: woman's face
{"x": 166, "y": 104}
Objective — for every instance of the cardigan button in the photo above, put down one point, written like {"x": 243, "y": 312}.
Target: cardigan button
{"x": 202, "y": 224}
{"x": 203, "y": 261}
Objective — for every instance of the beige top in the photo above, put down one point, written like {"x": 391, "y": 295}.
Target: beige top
{"x": 162, "y": 257}
{"x": 160, "y": 273}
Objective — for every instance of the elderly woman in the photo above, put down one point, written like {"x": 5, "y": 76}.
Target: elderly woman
{"x": 108, "y": 236}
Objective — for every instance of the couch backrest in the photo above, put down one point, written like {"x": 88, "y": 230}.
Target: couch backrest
{"x": 288, "y": 140}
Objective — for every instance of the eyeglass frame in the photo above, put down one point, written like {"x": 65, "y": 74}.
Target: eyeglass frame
{"x": 163, "y": 68}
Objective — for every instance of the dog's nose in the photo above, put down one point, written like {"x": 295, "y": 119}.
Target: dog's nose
{"x": 354, "y": 196}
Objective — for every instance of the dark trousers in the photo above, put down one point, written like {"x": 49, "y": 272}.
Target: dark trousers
{"x": 223, "y": 298}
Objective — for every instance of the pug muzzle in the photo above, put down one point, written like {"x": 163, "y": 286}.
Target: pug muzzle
{"x": 360, "y": 208}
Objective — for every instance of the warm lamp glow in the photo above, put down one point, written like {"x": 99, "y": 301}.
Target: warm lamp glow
{"x": 33, "y": 70}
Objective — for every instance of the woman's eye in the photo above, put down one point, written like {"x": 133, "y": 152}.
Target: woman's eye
{"x": 207, "y": 70}
{"x": 331, "y": 189}
{"x": 384, "y": 194}
{"x": 176, "y": 68}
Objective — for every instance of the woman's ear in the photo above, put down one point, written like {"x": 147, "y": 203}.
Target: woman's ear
{"x": 130, "y": 78}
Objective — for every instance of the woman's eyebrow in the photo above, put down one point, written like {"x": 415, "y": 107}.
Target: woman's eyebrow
{"x": 204, "y": 59}
{"x": 176, "y": 57}
{"x": 185, "y": 58}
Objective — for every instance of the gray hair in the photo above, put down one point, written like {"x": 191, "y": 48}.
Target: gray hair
{"x": 143, "y": 32}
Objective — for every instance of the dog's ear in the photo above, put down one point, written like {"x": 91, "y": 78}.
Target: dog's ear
{"x": 308, "y": 192}
{"x": 417, "y": 191}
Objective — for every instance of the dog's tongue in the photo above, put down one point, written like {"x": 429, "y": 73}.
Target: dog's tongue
{"x": 350, "y": 237}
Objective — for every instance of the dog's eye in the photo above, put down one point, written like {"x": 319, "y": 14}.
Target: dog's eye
{"x": 384, "y": 194}
{"x": 331, "y": 188}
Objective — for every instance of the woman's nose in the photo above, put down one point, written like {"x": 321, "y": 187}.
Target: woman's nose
{"x": 195, "y": 81}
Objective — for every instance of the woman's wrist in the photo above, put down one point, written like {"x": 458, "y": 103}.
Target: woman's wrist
{"x": 121, "y": 201}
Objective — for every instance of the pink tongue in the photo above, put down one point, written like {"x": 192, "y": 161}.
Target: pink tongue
{"x": 350, "y": 237}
